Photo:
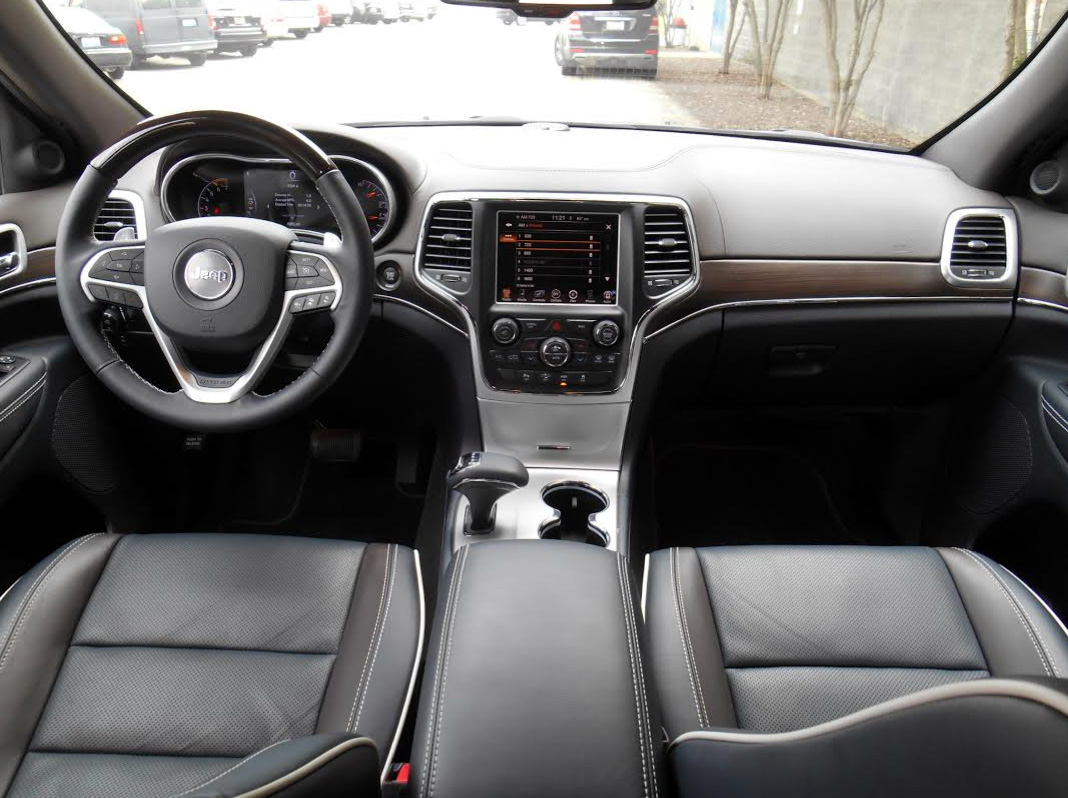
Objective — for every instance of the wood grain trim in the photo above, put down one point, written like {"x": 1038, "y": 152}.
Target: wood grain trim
{"x": 40, "y": 265}
{"x": 724, "y": 282}
{"x": 1043, "y": 287}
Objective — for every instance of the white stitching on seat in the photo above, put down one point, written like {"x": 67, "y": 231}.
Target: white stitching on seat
{"x": 625, "y": 573}
{"x": 23, "y": 399}
{"x": 424, "y": 786}
{"x": 371, "y": 643}
{"x": 684, "y": 636}
{"x": 229, "y": 770}
{"x": 633, "y": 676}
{"x": 445, "y": 673}
{"x": 1012, "y": 603}
{"x": 1034, "y": 626}
{"x": 382, "y": 634}
{"x": 27, "y": 602}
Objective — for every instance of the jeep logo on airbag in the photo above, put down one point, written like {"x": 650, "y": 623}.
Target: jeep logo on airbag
{"x": 209, "y": 274}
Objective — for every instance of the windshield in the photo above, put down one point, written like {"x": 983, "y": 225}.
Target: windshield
{"x": 885, "y": 72}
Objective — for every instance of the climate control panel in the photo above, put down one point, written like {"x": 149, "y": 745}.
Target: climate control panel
{"x": 555, "y": 354}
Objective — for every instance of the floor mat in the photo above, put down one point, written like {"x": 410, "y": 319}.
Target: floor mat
{"x": 718, "y": 495}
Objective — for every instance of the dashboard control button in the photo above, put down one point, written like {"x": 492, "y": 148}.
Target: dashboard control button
{"x": 555, "y": 326}
{"x": 545, "y": 377}
{"x": 606, "y": 333}
{"x": 505, "y": 331}
{"x": 531, "y": 344}
{"x": 497, "y": 356}
{"x": 579, "y": 326}
{"x": 533, "y": 326}
{"x": 511, "y": 358}
{"x": 389, "y": 275}
{"x": 555, "y": 352}
{"x": 579, "y": 344}
{"x": 530, "y": 358}
{"x": 526, "y": 377}
{"x": 580, "y": 358}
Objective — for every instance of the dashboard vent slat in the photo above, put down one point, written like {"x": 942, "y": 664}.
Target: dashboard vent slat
{"x": 668, "y": 251}
{"x": 115, "y": 214}
{"x": 979, "y": 247}
{"x": 447, "y": 243}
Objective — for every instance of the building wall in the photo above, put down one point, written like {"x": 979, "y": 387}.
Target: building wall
{"x": 934, "y": 58}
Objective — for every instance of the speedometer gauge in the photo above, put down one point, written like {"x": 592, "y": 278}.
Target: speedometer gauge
{"x": 375, "y": 205}
{"x": 217, "y": 198}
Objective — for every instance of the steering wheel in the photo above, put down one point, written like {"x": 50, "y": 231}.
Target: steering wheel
{"x": 227, "y": 288}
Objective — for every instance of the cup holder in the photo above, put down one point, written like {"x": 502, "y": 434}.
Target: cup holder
{"x": 575, "y": 504}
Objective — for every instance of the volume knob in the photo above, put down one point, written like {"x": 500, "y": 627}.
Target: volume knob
{"x": 606, "y": 333}
{"x": 505, "y": 331}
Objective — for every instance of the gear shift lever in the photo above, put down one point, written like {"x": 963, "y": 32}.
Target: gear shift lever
{"x": 483, "y": 478}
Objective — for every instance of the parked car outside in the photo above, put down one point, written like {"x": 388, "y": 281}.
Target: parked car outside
{"x": 272, "y": 15}
{"x": 105, "y": 44}
{"x": 369, "y": 13}
{"x": 237, "y": 28}
{"x": 618, "y": 42}
{"x": 324, "y": 16}
{"x": 160, "y": 27}
{"x": 302, "y": 16}
{"x": 390, "y": 11}
{"x": 413, "y": 9}
{"x": 340, "y": 11}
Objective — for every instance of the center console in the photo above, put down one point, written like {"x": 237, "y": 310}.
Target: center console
{"x": 556, "y": 291}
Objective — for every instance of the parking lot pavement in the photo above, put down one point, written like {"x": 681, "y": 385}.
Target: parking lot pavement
{"x": 462, "y": 64}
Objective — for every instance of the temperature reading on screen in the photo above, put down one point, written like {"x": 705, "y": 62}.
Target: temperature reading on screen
{"x": 563, "y": 258}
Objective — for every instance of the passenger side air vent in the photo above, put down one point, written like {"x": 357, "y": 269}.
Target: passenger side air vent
{"x": 979, "y": 248}
{"x": 447, "y": 245}
{"x": 668, "y": 251}
{"x": 118, "y": 217}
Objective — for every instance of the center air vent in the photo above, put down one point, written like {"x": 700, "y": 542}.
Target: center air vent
{"x": 117, "y": 218}
{"x": 447, "y": 245}
{"x": 668, "y": 251}
{"x": 979, "y": 248}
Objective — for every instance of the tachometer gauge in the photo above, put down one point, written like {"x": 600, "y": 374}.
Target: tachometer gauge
{"x": 218, "y": 199}
{"x": 375, "y": 205}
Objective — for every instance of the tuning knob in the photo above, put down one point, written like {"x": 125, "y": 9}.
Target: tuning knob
{"x": 505, "y": 331}
{"x": 606, "y": 333}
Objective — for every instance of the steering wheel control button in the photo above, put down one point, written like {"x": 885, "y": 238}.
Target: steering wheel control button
{"x": 297, "y": 305}
{"x": 119, "y": 265}
{"x": 555, "y": 352}
{"x": 505, "y": 331}
{"x": 209, "y": 275}
{"x": 606, "y": 333}
{"x": 99, "y": 292}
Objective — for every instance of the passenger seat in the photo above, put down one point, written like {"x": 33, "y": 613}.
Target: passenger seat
{"x": 824, "y": 670}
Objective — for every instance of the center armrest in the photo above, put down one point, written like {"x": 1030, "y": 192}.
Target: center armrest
{"x": 536, "y": 681}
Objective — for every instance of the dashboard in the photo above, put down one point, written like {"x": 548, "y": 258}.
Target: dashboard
{"x": 223, "y": 184}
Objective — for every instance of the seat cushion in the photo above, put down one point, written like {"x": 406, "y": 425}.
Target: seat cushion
{"x": 778, "y": 638}
{"x": 148, "y": 664}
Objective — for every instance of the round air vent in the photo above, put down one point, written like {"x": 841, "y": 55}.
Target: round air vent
{"x": 1047, "y": 180}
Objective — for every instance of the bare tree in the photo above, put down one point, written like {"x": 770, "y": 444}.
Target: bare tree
{"x": 847, "y": 75}
{"x": 732, "y": 34}
{"x": 1015, "y": 36}
{"x": 768, "y": 33}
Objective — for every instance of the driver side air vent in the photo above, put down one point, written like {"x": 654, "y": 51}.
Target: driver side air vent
{"x": 118, "y": 217}
{"x": 979, "y": 248}
{"x": 668, "y": 251}
{"x": 447, "y": 245}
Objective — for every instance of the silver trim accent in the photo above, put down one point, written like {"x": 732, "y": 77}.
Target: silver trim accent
{"x": 415, "y": 668}
{"x": 1005, "y": 688}
{"x": 20, "y": 250}
{"x": 623, "y": 392}
{"x": 1041, "y": 303}
{"x": 1012, "y": 248}
{"x": 12, "y": 289}
{"x": 140, "y": 223}
{"x": 421, "y": 309}
{"x": 825, "y": 300}
{"x": 377, "y": 173}
{"x": 645, "y": 582}
{"x": 185, "y": 374}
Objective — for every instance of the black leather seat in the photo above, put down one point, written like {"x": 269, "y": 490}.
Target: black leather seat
{"x": 195, "y": 665}
{"x": 838, "y": 670}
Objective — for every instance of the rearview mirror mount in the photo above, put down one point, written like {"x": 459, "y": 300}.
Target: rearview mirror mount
{"x": 556, "y": 9}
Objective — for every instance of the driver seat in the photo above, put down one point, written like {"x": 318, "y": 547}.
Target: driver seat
{"x": 158, "y": 666}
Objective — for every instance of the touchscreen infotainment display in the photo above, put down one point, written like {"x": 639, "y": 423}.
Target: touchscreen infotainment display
{"x": 557, "y": 257}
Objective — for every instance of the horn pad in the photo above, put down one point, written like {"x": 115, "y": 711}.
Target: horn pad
{"x": 216, "y": 285}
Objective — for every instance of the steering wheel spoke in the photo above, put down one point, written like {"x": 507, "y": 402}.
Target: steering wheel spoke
{"x": 115, "y": 275}
{"x": 312, "y": 280}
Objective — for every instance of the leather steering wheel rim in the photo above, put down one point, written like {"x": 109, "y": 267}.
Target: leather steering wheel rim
{"x": 191, "y": 407}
